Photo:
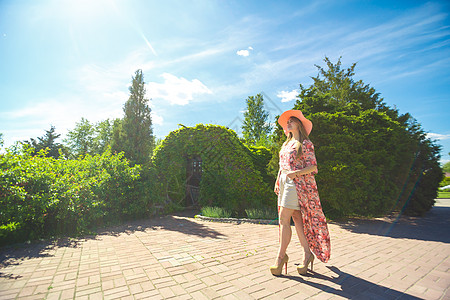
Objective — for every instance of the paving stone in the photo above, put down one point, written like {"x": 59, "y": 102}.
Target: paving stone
{"x": 208, "y": 260}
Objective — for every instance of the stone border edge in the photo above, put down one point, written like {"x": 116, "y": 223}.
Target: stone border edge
{"x": 238, "y": 221}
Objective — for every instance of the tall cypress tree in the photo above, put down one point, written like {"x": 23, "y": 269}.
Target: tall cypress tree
{"x": 136, "y": 133}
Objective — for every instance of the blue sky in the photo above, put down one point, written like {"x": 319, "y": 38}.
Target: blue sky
{"x": 63, "y": 60}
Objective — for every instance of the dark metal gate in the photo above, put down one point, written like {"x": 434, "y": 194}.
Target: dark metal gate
{"x": 193, "y": 178}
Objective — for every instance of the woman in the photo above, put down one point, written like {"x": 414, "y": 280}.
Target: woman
{"x": 298, "y": 196}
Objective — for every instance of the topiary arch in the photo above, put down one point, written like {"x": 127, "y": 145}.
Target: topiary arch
{"x": 229, "y": 176}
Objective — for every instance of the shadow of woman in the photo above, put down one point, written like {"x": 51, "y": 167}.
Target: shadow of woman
{"x": 351, "y": 287}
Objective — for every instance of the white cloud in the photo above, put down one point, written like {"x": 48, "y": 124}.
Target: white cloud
{"x": 62, "y": 114}
{"x": 179, "y": 91}
{"x": 287, "y": 96}
{"x": 243, "y": 53}
{"x": 156, "y": 119}
{"x": 438, "y": 136}
{"x": 96, "y": 92}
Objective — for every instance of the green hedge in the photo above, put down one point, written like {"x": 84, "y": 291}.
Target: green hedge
{"x": 363, "y": 161}
{"x": 370, "y": 164}
{"x": 231, "y": 176}
{"x": 371, "y": 158}
{"x": 261, "y": 157}
{"x": 41, "y": 196}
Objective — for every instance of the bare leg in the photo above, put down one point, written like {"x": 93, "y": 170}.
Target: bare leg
{"x": 286, "y": 232}
{"x": 297, "y": 217}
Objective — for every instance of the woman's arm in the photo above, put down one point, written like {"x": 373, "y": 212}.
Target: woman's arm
{"x": 309, "y": 161}
{"x": 305, "y": 171}
{"x": 277, "y": 183}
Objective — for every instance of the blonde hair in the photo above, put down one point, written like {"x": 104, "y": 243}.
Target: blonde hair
{"x": 303, "y": 136}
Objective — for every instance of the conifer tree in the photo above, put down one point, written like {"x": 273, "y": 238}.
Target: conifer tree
{"x": 134, "y": 136}
{"x": 369, "y": 154}
{"x": 48, "y": 141}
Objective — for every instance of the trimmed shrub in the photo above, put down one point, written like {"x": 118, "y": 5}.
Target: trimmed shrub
{"x": 230, "y": 178}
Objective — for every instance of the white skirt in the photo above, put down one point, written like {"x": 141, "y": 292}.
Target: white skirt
{"x": 288, "y": 193}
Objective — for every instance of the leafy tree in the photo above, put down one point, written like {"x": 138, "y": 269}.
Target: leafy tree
{"x": 134, "y": 133}
{"x": 103, "y": 132}
{"x": 256, "y": 126}
{"x": 1, "y": 139}
{"x": 89, "y": 138}
{"x": 47, "y": 142}
{"x": 80, "y": 140}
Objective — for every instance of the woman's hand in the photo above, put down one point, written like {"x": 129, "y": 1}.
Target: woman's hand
{"x": 276, "y": 188}
{"x": 292, "y": 174}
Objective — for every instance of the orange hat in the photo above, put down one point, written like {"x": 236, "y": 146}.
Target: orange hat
{"x": 283, "y": 119}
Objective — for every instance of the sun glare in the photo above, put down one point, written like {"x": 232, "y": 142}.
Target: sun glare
{"x": 82, "y": 10}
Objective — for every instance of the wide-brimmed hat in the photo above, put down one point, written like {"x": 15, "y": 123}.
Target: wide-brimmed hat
{"x": 283, "y": 119}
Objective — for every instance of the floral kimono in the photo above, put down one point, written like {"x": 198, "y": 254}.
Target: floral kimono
{"x": 314, "y": 221}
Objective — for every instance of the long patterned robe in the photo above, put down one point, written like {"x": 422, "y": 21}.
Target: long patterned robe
{"x": 314, "y": 221}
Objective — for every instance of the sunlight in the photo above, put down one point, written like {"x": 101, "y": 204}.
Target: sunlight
{"x": 84, "y": 9}
{"x": 148, "y": 44}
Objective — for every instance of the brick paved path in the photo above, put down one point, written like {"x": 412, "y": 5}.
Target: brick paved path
{"x": 180, "y": 257}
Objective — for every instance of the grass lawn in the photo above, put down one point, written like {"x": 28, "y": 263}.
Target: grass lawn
{"x": 444, "y": 195}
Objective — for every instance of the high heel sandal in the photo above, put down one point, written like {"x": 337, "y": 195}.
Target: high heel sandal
{"x": 276, "y": 270}
{"x": 302, "y": 269}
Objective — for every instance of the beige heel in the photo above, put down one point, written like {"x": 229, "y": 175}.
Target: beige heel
{"x": 303, "y": 269}
{"x": 277, "y": 270}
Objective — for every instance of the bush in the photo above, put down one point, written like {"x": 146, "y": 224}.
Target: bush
{"x": 371, "y": 159}
{"x": 11, "y": 233}
{"x": 42, "y": 196}
{"x": 261, "y": 157}
{"x": 444, "y": 182}
{"x": 360, "y": 172}
{"x": 230, "y": 178}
